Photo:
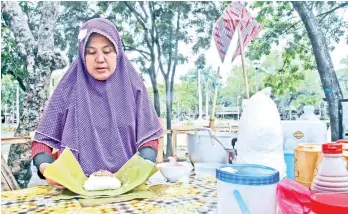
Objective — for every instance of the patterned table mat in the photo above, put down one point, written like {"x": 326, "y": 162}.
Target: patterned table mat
{"x": 190, "y": 195}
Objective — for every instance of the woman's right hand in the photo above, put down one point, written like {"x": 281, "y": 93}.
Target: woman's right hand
{"x": 50, "y": 182}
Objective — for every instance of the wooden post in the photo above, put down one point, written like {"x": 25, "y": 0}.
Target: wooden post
{"x": 212, "y": 116}
{"x": 243, "y": 64}
{"x": 174, "y": 142}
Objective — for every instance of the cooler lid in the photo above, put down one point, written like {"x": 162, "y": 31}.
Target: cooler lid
{"x": 329, "y": 203}
{"x": 247, "y": 174}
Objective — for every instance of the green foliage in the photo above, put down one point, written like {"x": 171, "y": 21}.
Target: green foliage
{"x": 186, "y": 96}
{"x": 283, "y": 28}
{"x": 72, "y": 15}
{"x": 11, "y": 62}
{"x": 9, "y": 90}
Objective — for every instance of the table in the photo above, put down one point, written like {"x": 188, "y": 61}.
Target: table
{"x": 190, "y": 195}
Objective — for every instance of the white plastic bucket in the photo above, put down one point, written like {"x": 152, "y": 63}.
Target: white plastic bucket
{"x": 247, "y": 188}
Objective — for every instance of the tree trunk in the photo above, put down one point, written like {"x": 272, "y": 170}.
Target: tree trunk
{"x": 207, "y": 103}
{"x": 325, "y": 68}
{"x": 41, "y": 60}
{"x": 156, "y": 98}
{"x": 200, "y": 102}
{"x": 169, "y": 118}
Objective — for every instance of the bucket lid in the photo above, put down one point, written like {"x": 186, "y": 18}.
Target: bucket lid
{"x": 332, "y": 148}
{"x": 329, "y": 203}
{"x": 247, "y": 174}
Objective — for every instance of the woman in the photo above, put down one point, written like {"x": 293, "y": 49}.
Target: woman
{"x": 100, "y": 109}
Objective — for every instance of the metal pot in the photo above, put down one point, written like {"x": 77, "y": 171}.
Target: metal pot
{"x": 205, "y": 146}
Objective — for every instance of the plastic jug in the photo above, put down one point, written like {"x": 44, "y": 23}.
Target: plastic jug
{"x": 332, "y": 174}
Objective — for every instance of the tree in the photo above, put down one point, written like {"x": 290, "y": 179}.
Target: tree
{"x": 282, "y": 27}
{"x": 161, "y": 25}
{"x": 200, "y": 64}
{"x": 325, "y": 68}
{"x": 11, "y": 63}
{"x": 208, "y": 83}
{"x": 185, "y": 94}
{"x": 40, "y": 59}
{"x": 72, "y": 15}
{"x": 135, "y": 22}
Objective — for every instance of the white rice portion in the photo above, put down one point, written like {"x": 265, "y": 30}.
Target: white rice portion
{"x": 101, "y": 183}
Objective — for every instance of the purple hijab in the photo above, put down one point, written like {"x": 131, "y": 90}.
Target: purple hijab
{"x": 102, "y": 122}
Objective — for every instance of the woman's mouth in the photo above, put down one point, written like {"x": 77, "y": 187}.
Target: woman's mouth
{"x": 101, "y": 70}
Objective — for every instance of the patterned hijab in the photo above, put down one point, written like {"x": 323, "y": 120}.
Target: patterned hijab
{"x": 102, "y": 122}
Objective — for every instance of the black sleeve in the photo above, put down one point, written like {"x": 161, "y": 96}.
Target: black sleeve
{"x": 40, "y": 158}
{"x": 148, "y": 153}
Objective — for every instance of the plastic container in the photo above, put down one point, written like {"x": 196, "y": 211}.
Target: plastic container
{"x": 297, "y": 132}
{"x": 333, "y": 164}
{"x": 256, "y": 186}
{"x": 206, "y": 169}
{"x": 306, "y": 156}
{"x": 309, "y": 114}
{"x": 260, "y": 133}
{"x": 290, "y": 163}
{"x": 325, "y": 203}
{"x": 332, "y": 174}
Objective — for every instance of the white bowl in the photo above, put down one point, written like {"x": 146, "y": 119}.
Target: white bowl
{"x": 174, "y": 173}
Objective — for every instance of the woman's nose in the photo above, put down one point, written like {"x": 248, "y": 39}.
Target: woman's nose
{"x": 100, "y": 57}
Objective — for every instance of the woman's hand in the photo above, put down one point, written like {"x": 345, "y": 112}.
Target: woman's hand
{"x": 50, "y": 182}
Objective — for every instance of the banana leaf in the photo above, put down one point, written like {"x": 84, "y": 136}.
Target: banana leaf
{"x": 67, "y": 171}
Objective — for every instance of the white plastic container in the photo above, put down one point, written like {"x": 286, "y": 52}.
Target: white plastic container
{"x": 303, "y": 131}
{"x": 332, "y": 174}
{"x": 206, "y": 169}
{"x": 255, "y": 184}
{"x": 309, "y": 114}
{"x": 333, "y": 164}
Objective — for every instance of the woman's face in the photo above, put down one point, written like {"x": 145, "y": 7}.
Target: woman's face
{"x": 101, "y": 57}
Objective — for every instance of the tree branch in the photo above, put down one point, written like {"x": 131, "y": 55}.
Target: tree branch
{"x": 332, "y": 10}
{"x": 143, "y": 8}
{"x": 153, "y": 21}
{"x": 292, "y": 26}
{"x": 15, "y": 19}
{"x": 141, "y": 21}
{"x": 165, "y": 75}
{"x": 135, "y": 49}
{"x": 170, "y": 50}
{"x": 137, "y": 15}
{"x": 175, "y": 54}
{"x": 129, "y": 48}
{"x": 18, "y": 78}
{"x": 45, "y": 51}
{"x": 322, "y": 14}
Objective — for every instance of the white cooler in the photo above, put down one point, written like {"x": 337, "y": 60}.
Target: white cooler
{"x": 247, "y": 188}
